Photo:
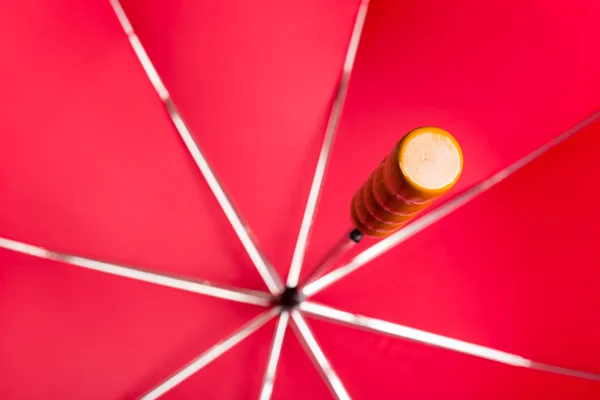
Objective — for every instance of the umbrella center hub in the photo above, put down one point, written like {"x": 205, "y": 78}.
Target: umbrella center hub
{"x": 290, "y": 298}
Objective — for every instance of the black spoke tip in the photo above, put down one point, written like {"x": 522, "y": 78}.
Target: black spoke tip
{"x": 356, "y": 235}
{"x": 290, "y": 298}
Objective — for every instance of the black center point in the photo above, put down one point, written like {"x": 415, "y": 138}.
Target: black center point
{"x": 290, "y": 298}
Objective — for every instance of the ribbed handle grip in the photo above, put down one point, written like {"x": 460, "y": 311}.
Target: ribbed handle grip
{"x": 424, "y": 165}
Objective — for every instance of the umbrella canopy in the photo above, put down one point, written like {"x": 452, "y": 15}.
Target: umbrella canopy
{"x": 131, "y": 130}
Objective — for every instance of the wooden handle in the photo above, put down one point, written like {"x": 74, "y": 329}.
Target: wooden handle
{"x": 424, "y": 165}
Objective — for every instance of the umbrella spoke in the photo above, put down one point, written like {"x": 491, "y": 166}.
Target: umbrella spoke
{"x": 274, "y": 354}
{"x": 432, "y": 339}
{"x": 330, "y": 131}
{"x": 265, "y": 269}
{"x": 201, "y": 287}
{"x": 437, "y": 214}
{"x": 342, "y": 247}
{"x": 317, "y": 356}
{"x": 211, "y": 354}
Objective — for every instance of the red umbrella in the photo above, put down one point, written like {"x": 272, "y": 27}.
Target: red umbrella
{"x": 490, "y": 294}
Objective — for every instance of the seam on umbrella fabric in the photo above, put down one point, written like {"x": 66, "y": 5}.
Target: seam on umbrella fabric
{"x": 315, "y": 353}
{"x": 212, "y": 354}
{"x": 265, "y": 269}
{"x": 334, "y": 315}
{"x": 189, "y": 285}
{"x": 274, "y": 354}
{"x": 330, "y": 132}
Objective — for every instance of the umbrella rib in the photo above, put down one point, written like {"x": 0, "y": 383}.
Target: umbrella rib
{"x": 440, "y": 212}
{"x": 330, "y": 131}
{"x": 200, "y": 287}
{"x": 274, "y": 354}
{"x": 389, "y": 328}
{"x": 320, "y": 361}
{"x": 212, "y": 354}
{"x": 266, "y": 271}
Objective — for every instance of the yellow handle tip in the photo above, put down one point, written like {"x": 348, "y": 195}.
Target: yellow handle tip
{"x": 424, "y": 165}
{"x": 431, "y": 159}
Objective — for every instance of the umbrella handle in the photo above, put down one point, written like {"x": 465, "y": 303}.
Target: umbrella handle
{"x": 424, "y": 165}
